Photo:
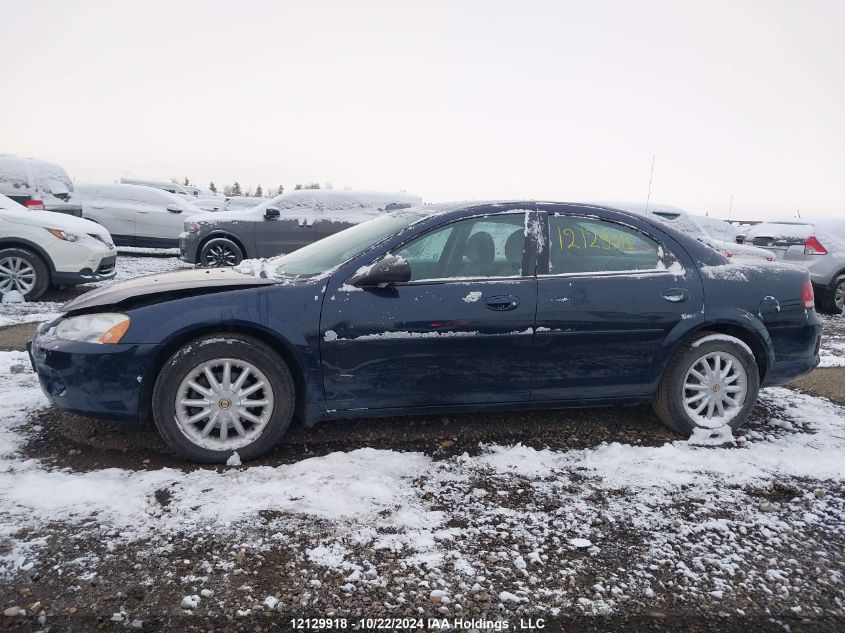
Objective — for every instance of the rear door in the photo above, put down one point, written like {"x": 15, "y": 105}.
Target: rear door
{"x": 609, "y": 293}
{"x": 155, "y": 225}
{"x": 460, "y": 332}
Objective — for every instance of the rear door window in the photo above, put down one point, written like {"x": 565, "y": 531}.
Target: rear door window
{"x": 590, "y": 245}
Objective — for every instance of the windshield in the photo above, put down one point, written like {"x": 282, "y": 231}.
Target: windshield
{"x": 328, "y": 253}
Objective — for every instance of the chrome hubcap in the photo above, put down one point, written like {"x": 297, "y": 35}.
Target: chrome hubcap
{"x": 839, "y": 296}
{"x": 219, "y": 255}
{"x": 715, "y": 389}
{"x": 16, "y": 274}
{"x": 224, "y": 404}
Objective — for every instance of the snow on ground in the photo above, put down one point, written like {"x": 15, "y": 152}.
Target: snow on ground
{"x": 745, "y": 522}
{"x": 33, "y": 312}
{"x": 832, "y": 352}
{"x": 129, "y": 267}
{"x": 513, "y": 521}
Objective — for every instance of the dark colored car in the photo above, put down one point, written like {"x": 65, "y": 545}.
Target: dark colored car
{"x": 282, "y": 224}
{"x": 446, "y": 308}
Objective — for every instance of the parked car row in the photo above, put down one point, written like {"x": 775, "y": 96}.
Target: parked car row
{"x": 212, "y": 230}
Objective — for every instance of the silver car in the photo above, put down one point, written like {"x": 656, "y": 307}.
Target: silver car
{"x": 819, "y": 246}
{"x": 281, "y": 225}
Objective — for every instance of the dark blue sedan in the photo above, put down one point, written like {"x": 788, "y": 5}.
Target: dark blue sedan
{"x": 437, "y": 308}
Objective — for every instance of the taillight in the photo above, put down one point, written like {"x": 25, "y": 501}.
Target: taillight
{"x": 34, "y": 205}
{"x": 808, "y": 298}
{"x": 814, "y": 247}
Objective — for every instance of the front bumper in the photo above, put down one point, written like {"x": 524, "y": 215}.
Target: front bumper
{"x": 189, "y": 247}
{"x": 107, "y": 269}
{"x": 95, "y": 380}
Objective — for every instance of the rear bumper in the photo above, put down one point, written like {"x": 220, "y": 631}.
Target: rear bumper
{"x": 790, "y": 371}
{"x": 796, "y": 352}
{"x": 95, "y": 380}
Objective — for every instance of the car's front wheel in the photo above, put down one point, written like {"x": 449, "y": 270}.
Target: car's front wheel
{"x": 711, "y": 382}
{"x": 223, "y": 394}
{"x": 23, "y": 271}
{"x": 219, "y": 252}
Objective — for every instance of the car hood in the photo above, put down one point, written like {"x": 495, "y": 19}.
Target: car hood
{"x": 52, "y": 220}
{"x": 182, "y": 282}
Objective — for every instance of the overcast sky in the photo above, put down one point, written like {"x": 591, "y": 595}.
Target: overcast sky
{"x": 449, "y": 100}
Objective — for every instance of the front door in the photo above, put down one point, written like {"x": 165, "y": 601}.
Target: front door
{"x": 608, "y": 296}
{"x": 460, "y": 332}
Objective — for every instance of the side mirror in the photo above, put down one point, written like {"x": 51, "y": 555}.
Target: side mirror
{"x": 271, "y": 213}
{"x": 174, "y": 208}
{"x": 388, "y": 270}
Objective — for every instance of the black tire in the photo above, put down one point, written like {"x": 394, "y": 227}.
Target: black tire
{"x": 668, "y": 399}
{"x": 220, "y": 252}
{"x": 38, "y": 265}
{"x": 827, "y": 302}
{"x": 223, "y": 346}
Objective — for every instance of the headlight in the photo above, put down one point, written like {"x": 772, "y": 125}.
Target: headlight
{"x": 192, "y": 227}
{"x": 107, "y": 328}
{"x": 63, "y": 235}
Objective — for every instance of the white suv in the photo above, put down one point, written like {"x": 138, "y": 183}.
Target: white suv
{"x": 39, "y": 249}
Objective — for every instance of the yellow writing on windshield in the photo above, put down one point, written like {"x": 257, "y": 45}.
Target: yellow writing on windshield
{"x": 604, "y": 239}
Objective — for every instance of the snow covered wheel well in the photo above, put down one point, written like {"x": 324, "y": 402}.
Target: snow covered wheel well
{"x": 748, "y": 337}
{"x": 172, "y": 346}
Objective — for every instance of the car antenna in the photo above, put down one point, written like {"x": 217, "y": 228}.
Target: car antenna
{"x": 730, "y": 208}
{"x": 650, "y": 177}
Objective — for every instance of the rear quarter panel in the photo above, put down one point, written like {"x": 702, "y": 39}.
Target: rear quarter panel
{"x": 765, "y": 299}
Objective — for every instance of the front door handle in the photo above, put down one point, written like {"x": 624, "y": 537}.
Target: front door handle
{"x": 502, "y": 303}
{"x": 676, "y": 295}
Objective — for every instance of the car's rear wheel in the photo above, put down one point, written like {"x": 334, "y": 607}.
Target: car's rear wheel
{"x": 23, "y": 271}
{"x": 711, "y": 382}
{"x": 834, "y": 301}
{"x": 223, "y": 394}
{"x": 220, "y": 252}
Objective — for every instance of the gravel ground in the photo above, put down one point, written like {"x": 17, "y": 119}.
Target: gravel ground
{"x": 594, "y": 520}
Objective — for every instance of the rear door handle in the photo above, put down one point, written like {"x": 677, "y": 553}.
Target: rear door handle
{"x": 502, "y": 303}
{"x": 676, "y": 295}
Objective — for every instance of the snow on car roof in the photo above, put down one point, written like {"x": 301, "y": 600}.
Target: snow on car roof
{"x": 311, "y": 205}
{"x": 338, "y": 199}
{"x": 18, "y": 173}
{"x": 777, "y": 230}
{"x": 675, "y": 217}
